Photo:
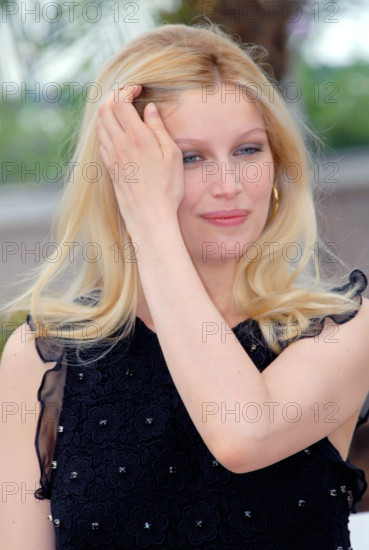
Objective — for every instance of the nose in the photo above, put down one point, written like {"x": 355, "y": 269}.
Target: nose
{"x": 224, "y": 179}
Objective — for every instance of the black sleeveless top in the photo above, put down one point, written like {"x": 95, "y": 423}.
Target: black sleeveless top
{"x": 125, "y": 468}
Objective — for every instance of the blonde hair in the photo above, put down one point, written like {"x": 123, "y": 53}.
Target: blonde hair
{"x": 282, "y": 296}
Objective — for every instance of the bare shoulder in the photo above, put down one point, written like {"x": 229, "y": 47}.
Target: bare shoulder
{"x": 18, "y": 347}
{"x": 354, "y": 333}
{"x": 360, "y": 323}
{"x": 23, "y": 519}
{"x": 355, "y": 329}
{"x": 21, "y": 367}
{"x": 364, "y": 310}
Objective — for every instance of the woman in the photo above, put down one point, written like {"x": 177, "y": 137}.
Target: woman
{"x": 157, "y": 429}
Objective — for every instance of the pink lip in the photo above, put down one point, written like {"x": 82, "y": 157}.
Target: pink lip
{"x": 226, "y": 217}
{"x": 225, "y": 214}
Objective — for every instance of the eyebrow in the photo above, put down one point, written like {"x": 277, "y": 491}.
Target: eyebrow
{"x": 193, "y": 140}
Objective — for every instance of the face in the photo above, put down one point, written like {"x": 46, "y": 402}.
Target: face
{"x": 228, "y": 165}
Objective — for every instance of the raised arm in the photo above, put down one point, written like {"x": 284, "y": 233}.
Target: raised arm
{"x": 215, "y": 373}
{"x": 312, "y": 388}
{"x": 23, "y": 519}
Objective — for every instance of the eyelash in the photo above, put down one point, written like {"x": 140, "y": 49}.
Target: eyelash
{"x": 256, "y": 150}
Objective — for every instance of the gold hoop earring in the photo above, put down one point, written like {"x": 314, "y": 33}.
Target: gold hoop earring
{"x": 276, "y": 200}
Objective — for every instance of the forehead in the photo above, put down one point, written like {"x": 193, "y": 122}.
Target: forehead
{"x": 200, "y": 108}
{"x": 204, "y": 100}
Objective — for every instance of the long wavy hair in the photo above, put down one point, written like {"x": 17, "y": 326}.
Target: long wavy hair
{"x": 282, "y": 295}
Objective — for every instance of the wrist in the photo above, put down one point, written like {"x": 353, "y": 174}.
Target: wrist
{"x": 162, "y": 226}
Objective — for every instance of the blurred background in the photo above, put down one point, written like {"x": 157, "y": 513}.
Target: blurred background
{"x": 50, "y": 53}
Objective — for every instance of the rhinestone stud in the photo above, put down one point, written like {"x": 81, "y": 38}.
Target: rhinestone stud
{"x": 122, "y": 469}
{"x": 60, "y": 429}
{"x": 73, "y": 475}
{"x": 247, "y": 513}
{"x": 103, "y": 422}
{"x": 215, "y": 463}
{"x": 198, "y": 523}
{"x": 80, "y": 376}
{"x": 333, "y": 492}
{"x": 56, "y": 522}
{"x": 54, "y": 464}
{"x": 149, "y": 420}
{"x": 50, "y": 517}
{"x": 172, "y": 469}
{"x": 94, "y": 525}
{"x": 301, "y": 502}
{"x": 147, "y": 525}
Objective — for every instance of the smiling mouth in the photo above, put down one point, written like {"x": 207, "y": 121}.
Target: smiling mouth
{"x": 226, "y": 221}
{"x": 225, "y": 214}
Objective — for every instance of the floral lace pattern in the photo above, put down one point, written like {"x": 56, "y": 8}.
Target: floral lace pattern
{"x": 124, "y": 466}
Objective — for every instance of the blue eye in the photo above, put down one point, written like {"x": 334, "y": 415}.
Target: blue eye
{"x": 252, "y": 149}
{"x": 188, "y": 157}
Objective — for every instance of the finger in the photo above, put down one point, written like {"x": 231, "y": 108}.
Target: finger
{"x": 124, "y": 111}
{"x": 105, "y": 157}
{"x": 156, "y": 124}
{"x": 110, "y": 123}
{"x": 113, "y": 126}
{"x": 112, "y": 134}
{"x": 129, "y": 91}
{"x": 104, "y": 137}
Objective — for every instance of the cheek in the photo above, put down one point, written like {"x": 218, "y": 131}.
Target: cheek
{"x": 191, "y": 197}
{"x": 258, "y": 180}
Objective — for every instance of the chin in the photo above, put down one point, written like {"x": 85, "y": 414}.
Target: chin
{"x": 218, "y": 250}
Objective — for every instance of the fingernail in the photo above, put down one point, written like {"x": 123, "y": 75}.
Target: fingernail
{"x": 151, "y": 109}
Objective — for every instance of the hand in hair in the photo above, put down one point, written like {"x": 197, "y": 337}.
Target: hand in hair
{"x": 145, "y": 164}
